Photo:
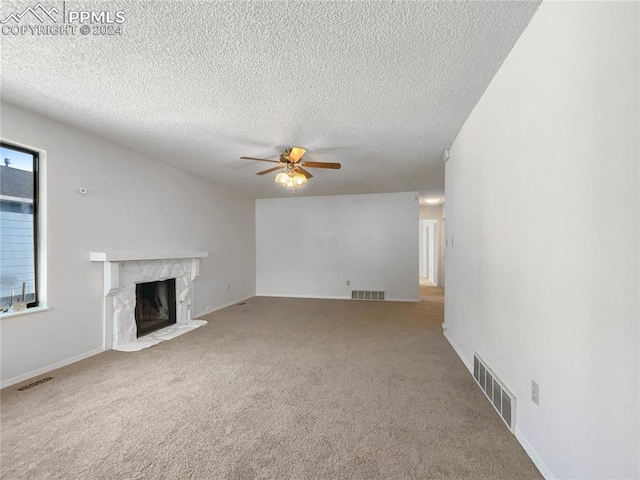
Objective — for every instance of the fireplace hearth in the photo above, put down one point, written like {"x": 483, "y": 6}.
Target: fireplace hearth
{"x": 155, "y": 306}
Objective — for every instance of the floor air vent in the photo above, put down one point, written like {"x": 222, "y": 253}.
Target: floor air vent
{"x": 367, "y": 295}
{"x": 33, "y": 384}
{"x": 500, "y": 397}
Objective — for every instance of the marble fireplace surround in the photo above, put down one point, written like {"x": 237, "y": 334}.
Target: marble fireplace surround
{"x": 122, "y": 271}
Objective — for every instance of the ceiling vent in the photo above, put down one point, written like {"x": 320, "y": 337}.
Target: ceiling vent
{"x": 500, "y": 397}
{"x": 367, "y": 295}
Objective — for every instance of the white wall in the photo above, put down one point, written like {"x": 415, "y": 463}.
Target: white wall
{"x": 542, "y": 211}
{"x": 423, "y": 235}
{"x": 133, "y": 204}
{"x": 311, "y": 246}
{"x": 428, "y": 212}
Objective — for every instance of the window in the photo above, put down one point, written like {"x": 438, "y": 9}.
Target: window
{"x": 18, "y": 226}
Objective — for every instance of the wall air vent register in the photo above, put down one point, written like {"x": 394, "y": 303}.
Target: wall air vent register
{"x": 500, "y": 397}
{"x": 367, "y": 295}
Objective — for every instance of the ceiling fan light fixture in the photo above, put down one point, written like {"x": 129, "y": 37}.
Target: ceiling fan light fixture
{"x": 291, "y": 174}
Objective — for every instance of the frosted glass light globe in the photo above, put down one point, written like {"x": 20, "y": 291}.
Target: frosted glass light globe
{"x": 282, "y": 178}
{"x": 299, "y": 179}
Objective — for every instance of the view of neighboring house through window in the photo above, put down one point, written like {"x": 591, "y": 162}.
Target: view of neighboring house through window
{"x": 18, "y": 226}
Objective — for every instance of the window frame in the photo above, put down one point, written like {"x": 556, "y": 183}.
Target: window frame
{"x": 36, "y": 216}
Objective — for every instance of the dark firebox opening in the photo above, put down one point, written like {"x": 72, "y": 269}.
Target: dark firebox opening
{"x": 155, "y": 305}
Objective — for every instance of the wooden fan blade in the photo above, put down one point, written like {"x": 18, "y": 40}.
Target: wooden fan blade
{"x": 296, "y": 154}
{"x": 332, "y": 165}
{"x": 304, "y": 172}
{"x": 259, "y": 159}
{"x": 264, "y": 172}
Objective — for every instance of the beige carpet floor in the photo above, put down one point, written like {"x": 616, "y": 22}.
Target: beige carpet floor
{"x": 430, "y": 293}
{"x": 273, "y": 389}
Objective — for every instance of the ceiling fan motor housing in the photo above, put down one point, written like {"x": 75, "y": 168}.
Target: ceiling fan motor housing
{"x": 284, "y": 156}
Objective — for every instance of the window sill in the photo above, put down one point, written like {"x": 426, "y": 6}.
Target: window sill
{"x": 28, "y": 311}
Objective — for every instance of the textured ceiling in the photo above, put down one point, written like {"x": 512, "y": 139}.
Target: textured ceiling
{"x": 382, "y": 87}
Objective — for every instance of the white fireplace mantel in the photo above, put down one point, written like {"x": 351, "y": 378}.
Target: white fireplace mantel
{"x": 122, "y": 270}
{"x": 134, "y": 256}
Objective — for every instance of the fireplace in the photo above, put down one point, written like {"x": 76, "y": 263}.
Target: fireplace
{"x": 123, "y": 272}
{"x": 155, "y": 305}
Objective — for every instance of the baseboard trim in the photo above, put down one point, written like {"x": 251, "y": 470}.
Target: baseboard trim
{"x": 321, "y": 297}
{"x": 533, "y": 455}
{"x": 220, "y": 307}
{"x": 457, "y": 349}
{"x": 332, "y": 297}
{"x": 49, "y": 368}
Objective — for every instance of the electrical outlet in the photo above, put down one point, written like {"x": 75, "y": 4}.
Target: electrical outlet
{"x": 535, "y": 392}
{"x": 348, "y": 282}
{"x": 208, "y": 309}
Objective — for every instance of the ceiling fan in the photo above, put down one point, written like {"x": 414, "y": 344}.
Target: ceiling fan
{"x": 292, "y": 174}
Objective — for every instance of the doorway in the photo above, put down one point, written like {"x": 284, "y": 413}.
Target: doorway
{"x": 428, "y": 254}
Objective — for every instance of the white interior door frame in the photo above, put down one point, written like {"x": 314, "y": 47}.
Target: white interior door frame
{"x": 428, "y": 257}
